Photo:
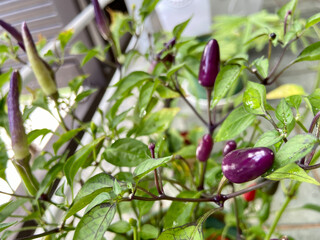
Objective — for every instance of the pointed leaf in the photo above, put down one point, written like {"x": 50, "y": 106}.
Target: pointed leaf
{"x": 268, "y": 139}
{"x": 310, "y": 53}
{"x": 178, "y": 30}
{"x": 4, "y": 226}
{"x": 37, "y": 133}
{"x": 284, "y": 113}
{"x": 65, "y": 138}
{"x": 157, "y": 122}
{"x": 149, "y": 165}
{"x": 225, "y": 79}
{"x": 126, "y": 152}
{"x": 100, "y": 183}
{"x": 95, "y": 223}
{"x": 238, "y": 120}
{"x": 295, "y": 149}
{"x": 294, "y": 172}
{"x": 129, "y": 82}
{"x": 75, "y": 162}
{"x": 313, "y": 20}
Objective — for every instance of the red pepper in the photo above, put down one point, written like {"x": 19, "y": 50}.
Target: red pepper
{"x": 250, "y": 196}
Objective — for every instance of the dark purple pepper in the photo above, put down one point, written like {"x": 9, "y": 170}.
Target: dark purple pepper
{"x": 18, "y": 136}
{"x": 210, "y": 64}
{"x": 101, "y": 20}
{"x": 230, "y": 146}
{"x": 204, "y": 148}
{"x": 244, "y": 165}
{"x": 272, "y": 36}
{"x": 13, "y": 32}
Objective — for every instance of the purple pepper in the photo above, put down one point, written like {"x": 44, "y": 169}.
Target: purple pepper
{"x": 204, "y": 148}
{"x": 101, "y": 20}
{"x": 13, "y": 32}
{"x": 18, "y": 136}
{"x": 244, "y": 165}
{"x": 230, "y": 146}
{"x": 210, "y": 64}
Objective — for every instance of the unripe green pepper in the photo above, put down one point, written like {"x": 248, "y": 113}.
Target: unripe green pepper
{"x": 18, "y": 136}
{"x": 41, "y": 69}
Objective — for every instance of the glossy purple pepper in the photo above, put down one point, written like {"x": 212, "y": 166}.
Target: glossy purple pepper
{"x": 18, "y": 136}
{"x": 101, "y": 20}
{"x": 244, "y": 165}
{"x": 230, "y": 146}
{"x": 210, "y": 64}
{"x": 13, "y": 32}
{"x": 204, "y": 148}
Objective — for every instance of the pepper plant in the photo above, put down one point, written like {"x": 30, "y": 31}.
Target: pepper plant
{"x": 142, "y": 175}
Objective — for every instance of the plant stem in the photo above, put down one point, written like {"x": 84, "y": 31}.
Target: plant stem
{"x": 190, "y": 105}
{"x": 24, "y": 170}
{"x": 209, "y": 92}
{"x": 16, "y": 195}
{"x": 282, "y": 209}
{"x": 56, "y": 230}
{"x": 202, "y": 175}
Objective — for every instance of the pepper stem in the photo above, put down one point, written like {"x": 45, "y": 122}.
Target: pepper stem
{"x": 24, "y": 170}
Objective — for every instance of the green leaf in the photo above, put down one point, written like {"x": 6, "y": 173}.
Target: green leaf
{"x": 149, "y": 231}
{"x": 89, "y": 55}
{"x": 187, "y": 151}
{"x": 313, "y": 20}
{"x": 238, "y": 120}
{"x": 120, "y": 227}
{"x": 65, "y": 137}
{"x": 149, "y": 165}
{"x": 8, "y": 208}
{"x": 252, "y": 101}
{"x": 284, "y": 113}
{"x": 294, "y": 172}
{"x": 78, "y": 48}
{"x": 314, "y": 100}
{"x": 262, "y": 65}
{"x": 268, "y": 139}
{"x": 3, "y": 160}
{"x": 126, "y": 152}
{"x": 178, "y": 30}
{"x": 127, "y": 83}
{"x": 118, "y": 119}
{"x": 310, "y": 53}
{"x": 84, "y": 94}
{"x": 311, "y": 206}
{"x": 100, "y": 183}
{"x": 64, "y": 37}
{"x": 191, "y": 231}
{"x": 294, "y": 101}
{"x": 37, "y": 133}
{"x": 146, "y": 93}
{"x": 4, "y": 226}
{"x": 165, "y": 92}
{"x": 5, "y": 77}
{"x": 225, "y": 79}
{"x": 157, "y": 122}
{"x": 100, "y": 198}
{"x": 296, "y": 148}
{"x": 48, "y": 179}
{"x": 180, "y": 213}
{"x": 146, "y": 8}
{"x": 174, "y": 69}
{"x": 75, "y": 162}
{"x": 290, "y": 6}
{"x": 119, "y": 26}
{"x": 95, "y": 223}
{"x": 254, "y": 98}
{"x": 77, "y": 82}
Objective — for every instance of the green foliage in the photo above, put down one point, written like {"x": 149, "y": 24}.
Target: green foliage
{"x": 137, "y": 156}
